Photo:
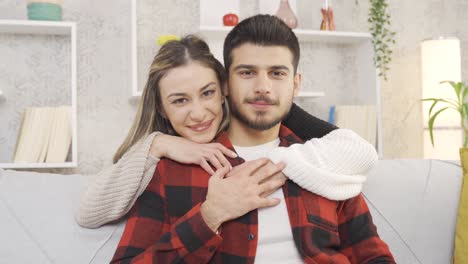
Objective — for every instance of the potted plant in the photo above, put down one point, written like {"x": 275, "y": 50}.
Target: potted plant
{"x": 460, "y": 105}
{"x": 382, "y": 37}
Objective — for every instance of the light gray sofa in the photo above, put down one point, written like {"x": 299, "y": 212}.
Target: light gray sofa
{"x": 414, "y": 204}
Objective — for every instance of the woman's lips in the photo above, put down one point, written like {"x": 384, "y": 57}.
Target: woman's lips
{"x": 202, "y": 126}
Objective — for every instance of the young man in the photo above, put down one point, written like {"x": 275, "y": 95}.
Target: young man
{"x": 229, "y": 220}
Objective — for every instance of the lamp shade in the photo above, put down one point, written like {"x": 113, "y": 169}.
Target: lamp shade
{"x": 441, "y": 61}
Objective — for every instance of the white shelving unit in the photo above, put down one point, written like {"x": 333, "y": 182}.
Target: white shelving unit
{"x": 316, "y": 36}
{"x": 49, "y": 28}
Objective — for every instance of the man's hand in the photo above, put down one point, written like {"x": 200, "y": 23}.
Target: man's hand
{"x": 243, "y": 191}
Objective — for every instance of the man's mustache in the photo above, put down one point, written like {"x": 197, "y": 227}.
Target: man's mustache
{"x": 262, "y": 98}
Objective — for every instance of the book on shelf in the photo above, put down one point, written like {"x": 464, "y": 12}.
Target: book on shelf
{"x": 60, "y": 136}
{"x": 362, "y": 119}
{"x": 45, "y": 135}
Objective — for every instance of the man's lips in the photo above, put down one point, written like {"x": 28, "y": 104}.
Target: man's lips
{"x": 202, "y": 126}
{"x": 260, "y": 104}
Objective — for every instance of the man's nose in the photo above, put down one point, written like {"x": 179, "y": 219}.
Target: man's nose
{"x": 263, "y": 84}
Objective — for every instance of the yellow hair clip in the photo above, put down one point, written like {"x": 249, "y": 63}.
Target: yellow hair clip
{"x": 165, "y": 38}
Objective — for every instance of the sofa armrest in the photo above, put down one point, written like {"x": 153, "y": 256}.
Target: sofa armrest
{"x": 415, "y": 204}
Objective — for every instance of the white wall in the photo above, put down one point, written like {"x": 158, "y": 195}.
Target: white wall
{"x": 105, "y": 109}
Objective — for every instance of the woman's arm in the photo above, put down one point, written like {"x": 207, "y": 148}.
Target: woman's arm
{"x": 151, "y": 237}
{"x": 334, "y": 166}
{"x": 112, "y": 192}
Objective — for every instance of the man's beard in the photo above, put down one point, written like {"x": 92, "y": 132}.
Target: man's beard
{"x": 259, "y": 122}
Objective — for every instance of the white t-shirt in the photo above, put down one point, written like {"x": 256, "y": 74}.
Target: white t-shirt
{"x": 275, "y": 239}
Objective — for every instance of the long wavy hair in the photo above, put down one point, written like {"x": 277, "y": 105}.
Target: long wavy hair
{"x": 173, "y": 54}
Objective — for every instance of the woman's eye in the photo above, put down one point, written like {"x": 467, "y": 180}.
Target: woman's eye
{"x": 179, "y": 101}
{"x": 208, "y": 93}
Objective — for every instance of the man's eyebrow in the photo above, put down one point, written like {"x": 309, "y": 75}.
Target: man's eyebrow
{"x": 244, "y": 66}
{"x": 201, "y": 89}
{"x": 279, "y": 67}
{"x": 250, "y": 67}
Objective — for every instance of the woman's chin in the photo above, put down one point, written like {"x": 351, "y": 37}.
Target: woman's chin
{"x": 201, "y": 138}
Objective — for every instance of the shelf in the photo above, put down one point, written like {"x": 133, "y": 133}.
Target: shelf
{"x": 310, "y": 94}
{"x": 37, "y": 165}
{"x": 36, "y": 27}
{"x": 317, "y": 36}
{"x": 67, "y": 29}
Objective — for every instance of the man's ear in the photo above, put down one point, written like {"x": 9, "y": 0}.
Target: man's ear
{"x": 297, "y": 83}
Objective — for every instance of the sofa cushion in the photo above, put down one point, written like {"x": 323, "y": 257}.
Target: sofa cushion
{"x": 37, "y": 223}
{"x": 414, "y": 204}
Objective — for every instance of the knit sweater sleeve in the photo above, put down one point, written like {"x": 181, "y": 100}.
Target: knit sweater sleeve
{"x": 334, "y": 166}
{"x": 111, "y": 193}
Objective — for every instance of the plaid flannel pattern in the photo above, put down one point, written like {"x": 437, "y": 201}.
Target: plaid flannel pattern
{"x": 165, "y": 225}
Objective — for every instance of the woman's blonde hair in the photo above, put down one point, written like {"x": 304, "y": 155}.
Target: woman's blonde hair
{"x": 173, "y": 54}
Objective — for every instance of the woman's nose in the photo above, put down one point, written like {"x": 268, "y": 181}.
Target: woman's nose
{"x": 198, "y": 112}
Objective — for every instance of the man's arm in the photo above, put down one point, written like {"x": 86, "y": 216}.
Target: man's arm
{"x": 358, "y": 234}
{"x": 305, "y": 125}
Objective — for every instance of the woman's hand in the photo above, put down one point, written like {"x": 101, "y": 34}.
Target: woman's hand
{"x": 188, "y": 152}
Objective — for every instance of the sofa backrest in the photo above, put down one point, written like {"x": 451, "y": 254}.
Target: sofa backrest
{"x": 414, "y": 204}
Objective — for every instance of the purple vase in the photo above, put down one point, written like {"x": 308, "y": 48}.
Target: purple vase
{"x": 286, "y": 14}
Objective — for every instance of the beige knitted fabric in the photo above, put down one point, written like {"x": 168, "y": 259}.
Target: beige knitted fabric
{"x": 333, "y": 166}
{"x": 112, "y": 192}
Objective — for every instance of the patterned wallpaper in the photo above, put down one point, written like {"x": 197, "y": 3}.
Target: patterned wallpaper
{"x": 106, "y": 109}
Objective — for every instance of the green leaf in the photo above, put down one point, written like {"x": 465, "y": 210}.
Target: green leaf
{"x": 465, "y": 93}
{"x": 458, "y": 89}
{"x": 436, "y": 100}
{"x": 465, "y": 112}
{"x": 431, "y": 123}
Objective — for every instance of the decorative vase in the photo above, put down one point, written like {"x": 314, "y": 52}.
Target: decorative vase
{"x": 45, "y": 10}
{"x": 460, "y": 255}
{"x": 328, "y": 19}
{"x": 286, "y": 14}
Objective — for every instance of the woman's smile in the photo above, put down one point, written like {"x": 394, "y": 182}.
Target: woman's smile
{"x": 202, "y": 127}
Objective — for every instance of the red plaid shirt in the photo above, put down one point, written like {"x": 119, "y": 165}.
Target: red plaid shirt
{"x": 165, "y": 225}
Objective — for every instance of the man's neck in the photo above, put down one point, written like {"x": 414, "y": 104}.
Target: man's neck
{"x": 241, "y": 135}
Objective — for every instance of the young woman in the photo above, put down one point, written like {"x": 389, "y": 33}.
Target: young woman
{"x": 181, "y": 111}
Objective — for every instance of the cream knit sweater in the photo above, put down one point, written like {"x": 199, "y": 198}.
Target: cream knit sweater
{"x": 334, "y": 166}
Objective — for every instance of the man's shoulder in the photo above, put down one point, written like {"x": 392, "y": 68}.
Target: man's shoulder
{"x": 288, "y": 137}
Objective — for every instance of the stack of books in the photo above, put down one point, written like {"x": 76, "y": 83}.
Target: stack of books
{"x": 45, "y": 135}
{"x": 362, "y": 119}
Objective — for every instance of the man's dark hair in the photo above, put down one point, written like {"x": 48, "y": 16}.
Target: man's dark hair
{"x": 263, "y": 30}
